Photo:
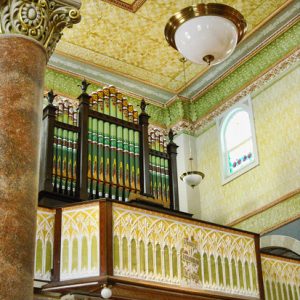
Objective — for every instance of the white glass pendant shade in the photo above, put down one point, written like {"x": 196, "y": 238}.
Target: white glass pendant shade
{"x": 206, "y": 33}
{"x": 205, "y": 37}
{"x": 106, "y": 293}
{"x": 192, "y": 178}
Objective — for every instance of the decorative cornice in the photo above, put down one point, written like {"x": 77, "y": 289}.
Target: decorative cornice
{"x": 195, "y": 116}
{"x": 66, "y": 85}
{"x": 263, "y": 36}
{"x": 260, "y": 81}
{"x": 133, "y": 7}
{"x": 41, "y": 20}
{"x": 67, "y": 64}
{"x": 184, "y": 127}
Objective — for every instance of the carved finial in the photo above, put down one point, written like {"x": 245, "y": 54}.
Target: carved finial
{"x": 171, "y": 135}
{"x": 84, "y": 85}
{"x": 51, "y": 96}
{"x": 143, "y": 105}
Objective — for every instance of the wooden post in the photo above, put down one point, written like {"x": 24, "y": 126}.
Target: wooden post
{"x": 259, "y": 268}
{"x": 172, "y": 152}
{"x": 106, "y": 238}
{"x": 82, "y": 158}
{"x": 144, "y": 150}
{"x": 57, "y": 246}
{"x": 46, "y": 159}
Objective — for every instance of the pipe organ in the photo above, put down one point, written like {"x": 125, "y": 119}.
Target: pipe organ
{"x": 159, "y": 176}
{"x": 103, "y": 148}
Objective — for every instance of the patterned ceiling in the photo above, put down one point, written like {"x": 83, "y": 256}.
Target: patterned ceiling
{"x": 133, "y": 45}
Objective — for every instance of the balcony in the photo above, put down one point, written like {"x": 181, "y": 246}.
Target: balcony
{"x": 147, "y": 254}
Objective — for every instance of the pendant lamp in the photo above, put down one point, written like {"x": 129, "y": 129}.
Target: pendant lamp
{"x": 192, "y": 178}
{"x": 206, "y": 33}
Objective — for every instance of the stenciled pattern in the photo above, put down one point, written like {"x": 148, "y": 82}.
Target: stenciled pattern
{"x": 80, "y": 242}
{"x": 200, "y": 113}
{"x": 278, "y": 163}
{"x": 140, "y": 38}
{"x": 152, "y": 247}
{"x": 44, "y": 243}
{"x": 281, "y": 278}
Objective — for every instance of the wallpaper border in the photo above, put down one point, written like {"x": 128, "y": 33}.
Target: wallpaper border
{"x": 254, "y": 220}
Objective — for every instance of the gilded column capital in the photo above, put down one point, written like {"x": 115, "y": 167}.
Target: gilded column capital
{"x": 41, "y": 20}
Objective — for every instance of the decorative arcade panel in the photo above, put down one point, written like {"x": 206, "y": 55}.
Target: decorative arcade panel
{"x": 102, "y": 148}
{"x": 79, "y": 242}
{"x": 44, "y": 244}
{"x": 167, "y": 250}
{"x": 281, "y": 278}
{"x": 128, "y": 247}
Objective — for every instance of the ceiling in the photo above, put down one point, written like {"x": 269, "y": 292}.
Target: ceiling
{"x": 113, "y": 44}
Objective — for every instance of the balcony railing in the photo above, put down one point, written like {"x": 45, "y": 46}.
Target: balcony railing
{"x": 92, "y": 243}
{"x": 281, "y": 277}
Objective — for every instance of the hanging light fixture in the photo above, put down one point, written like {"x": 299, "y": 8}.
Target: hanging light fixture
{"x": 191, "y": 177}
{"x": 206, "y": 33}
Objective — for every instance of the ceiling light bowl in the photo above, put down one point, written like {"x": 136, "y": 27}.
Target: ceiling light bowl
{"x": 192, "y": 178}
{"x": 206, "y": 33}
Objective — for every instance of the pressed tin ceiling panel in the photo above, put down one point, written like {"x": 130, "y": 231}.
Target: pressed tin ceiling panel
{"x": 133, "y": 44}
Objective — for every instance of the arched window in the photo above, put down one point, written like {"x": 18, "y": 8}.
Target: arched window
{"x": 237, "y": 140}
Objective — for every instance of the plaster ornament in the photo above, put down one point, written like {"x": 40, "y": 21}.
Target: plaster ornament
{"x": 41, "y": 20}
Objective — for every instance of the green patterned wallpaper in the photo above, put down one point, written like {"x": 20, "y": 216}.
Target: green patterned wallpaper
{"x": 181, "y": 109}
{"x": 251, "y": 69}
{"x": 276, "y": 110}
{"x": 278, "y": 214}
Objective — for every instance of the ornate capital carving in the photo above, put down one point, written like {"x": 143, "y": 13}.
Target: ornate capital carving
{"x": 42, "y": 20}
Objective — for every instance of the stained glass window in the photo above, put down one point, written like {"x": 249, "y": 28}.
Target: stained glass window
{"x": 237, "y": 140}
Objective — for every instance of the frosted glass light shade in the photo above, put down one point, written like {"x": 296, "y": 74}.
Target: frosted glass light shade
{"x": 206, "y": 33}
{"x": 192, "y": 178}
{"x": 206, "y": 36}
{"x": 106, "y": 293}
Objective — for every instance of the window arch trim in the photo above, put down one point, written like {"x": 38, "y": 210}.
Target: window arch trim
{"x": 222, "y": 124}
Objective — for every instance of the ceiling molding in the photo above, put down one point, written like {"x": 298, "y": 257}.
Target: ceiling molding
{"x": 102, "y": 77}
{"x": 133, "y": 7}
{"x": 154, "y": 94}
{"x": 274, "y": 72}
{"x": 66, "y": 85}
{"x": 256, "y": 84}
{"x": 269, "y": 62}
{"x": 247, "y": 49}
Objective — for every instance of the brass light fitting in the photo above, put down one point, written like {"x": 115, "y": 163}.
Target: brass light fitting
{"x": 220, "y": 22}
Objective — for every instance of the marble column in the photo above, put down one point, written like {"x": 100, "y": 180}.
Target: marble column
{"x": 29, "y": 32}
